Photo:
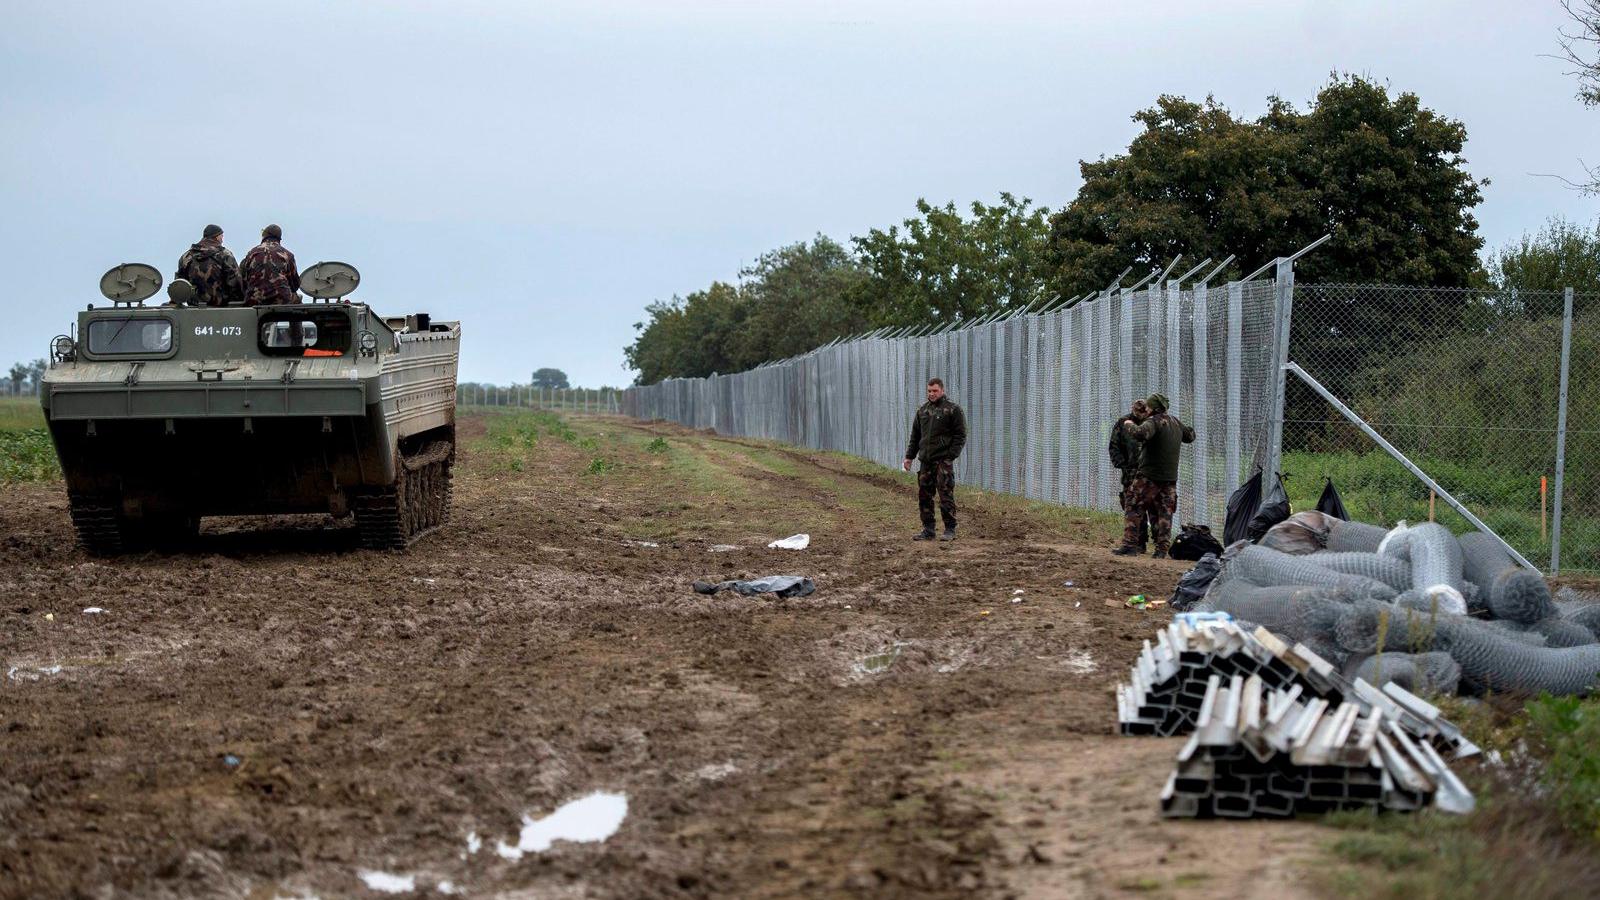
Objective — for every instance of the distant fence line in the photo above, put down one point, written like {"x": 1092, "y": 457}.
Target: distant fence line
{"x": 589, "y": 400}
{"x": 1042, "y": 392}
{"x": 1494, "y": 394}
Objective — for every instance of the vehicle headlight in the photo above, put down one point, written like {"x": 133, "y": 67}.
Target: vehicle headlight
{"x": 367, "y": 342}
{"x": 63, "y": 348}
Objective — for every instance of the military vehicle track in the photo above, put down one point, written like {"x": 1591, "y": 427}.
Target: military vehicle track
{"x": 419, "y": 501}
{"x": 98, "y": 525}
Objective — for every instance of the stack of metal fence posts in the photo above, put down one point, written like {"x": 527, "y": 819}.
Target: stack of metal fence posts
{"x": 1275, "y": 730}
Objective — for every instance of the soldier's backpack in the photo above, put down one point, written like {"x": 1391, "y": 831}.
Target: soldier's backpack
{"x": 1193, "y": 542}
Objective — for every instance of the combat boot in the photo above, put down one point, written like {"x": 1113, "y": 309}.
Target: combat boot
{"x": 925, "y": 535}
{"x": 1128, "y": 550}
{"x": 1160, "y": 554}
{"x": 949, "y": 533}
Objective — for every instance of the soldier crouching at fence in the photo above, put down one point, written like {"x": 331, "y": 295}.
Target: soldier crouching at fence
{"x": 1124, "y": 450}
{"x": 1153, "y": 495}
{"x": 938, "y": 432}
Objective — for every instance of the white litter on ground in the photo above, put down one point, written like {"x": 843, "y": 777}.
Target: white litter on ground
{"x": 92, "y": 610}
{"x": 446, "y": 887}
{"x": 587, "y": 819}
{"x": 1079, "y": 662}
{"x": 17, "y": 673}
{"x": 474, "y": 843}
{"x": 792, "y": 542}
{"x": 1018, "y": 592}
{"x": 642, "y": 543}
{"x": 715, "y": 771}
{"x": 388, "y": 883}
{"x": 722, "y": 548}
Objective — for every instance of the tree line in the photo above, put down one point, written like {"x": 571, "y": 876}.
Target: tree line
{"x": 1382, "y": 173}
{"x": 23, "y": 378}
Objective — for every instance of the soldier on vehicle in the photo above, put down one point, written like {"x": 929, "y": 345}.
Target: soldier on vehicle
{"x": 269, "y": 272}
{"x": 938, "y": 432}
{"x": 1124, "y": 451}
{"x": 1154, "y": 492}
{"x": 213, "y": 271}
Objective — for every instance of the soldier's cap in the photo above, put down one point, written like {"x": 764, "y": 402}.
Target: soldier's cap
{"x": 1157, "y": 403}
{"x": 272, "y": 233}
{"x": 211, "y": 231}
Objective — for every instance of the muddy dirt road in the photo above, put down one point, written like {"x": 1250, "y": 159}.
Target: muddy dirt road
{"x": 274, "y": 713}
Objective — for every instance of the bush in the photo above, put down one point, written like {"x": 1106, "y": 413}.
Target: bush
{"x": 1566, "y": 733}
{"x": 27, "y": 455}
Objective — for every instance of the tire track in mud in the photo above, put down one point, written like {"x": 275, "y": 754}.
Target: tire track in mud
{"x": 383, "y": 706}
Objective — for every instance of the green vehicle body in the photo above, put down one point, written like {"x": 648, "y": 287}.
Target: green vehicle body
{"x": 164, "y": 414}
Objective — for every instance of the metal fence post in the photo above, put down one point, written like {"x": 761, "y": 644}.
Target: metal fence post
{"x": 1561, "y": 431}
{"x": 1230, "y": 451}
{"x": 1283, "y": 287}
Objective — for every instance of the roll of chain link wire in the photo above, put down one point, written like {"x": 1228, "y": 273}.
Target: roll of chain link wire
{"x": 1490, "y": 659}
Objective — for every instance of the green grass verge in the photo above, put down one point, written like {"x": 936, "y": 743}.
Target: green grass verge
{"x": 1535, "y": 833}
{"x": 1377, "y": 488}
{"x": 20, "y": 413}
{"x": 26, "y": 452}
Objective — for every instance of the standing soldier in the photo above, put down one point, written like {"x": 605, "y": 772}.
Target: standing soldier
{"x": 270, "y": 276}
{"x": 1154, "y": 492}
{"x": 1125, "y": 457}
{"x": 938, "y": 432}
{"x": 213, "y": 271}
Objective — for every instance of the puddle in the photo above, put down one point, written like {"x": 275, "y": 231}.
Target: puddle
{"x": 18, "y": 673}
{"x": 881, "y": 661}
{"x": 388, "y": 883}
{"x": 587, "y": 819}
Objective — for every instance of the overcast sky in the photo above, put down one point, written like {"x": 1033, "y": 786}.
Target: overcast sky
{"x": 542, "y": 170}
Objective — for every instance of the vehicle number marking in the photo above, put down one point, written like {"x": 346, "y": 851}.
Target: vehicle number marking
{"x": 223, "y": 330}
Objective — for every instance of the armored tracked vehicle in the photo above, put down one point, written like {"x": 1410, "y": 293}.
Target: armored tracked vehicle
{"x": 164, "y": 414}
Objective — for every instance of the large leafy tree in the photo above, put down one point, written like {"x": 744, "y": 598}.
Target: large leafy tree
{"x": 550, "y": 379}
{"x": 942, "y": 267}
{"x": 18, "y": 375}
{"x": 1383, "y": 174}
{"x": 1559, "y": 255}
{"x": 796, "y": 298}
{"x": 687, "y": 337}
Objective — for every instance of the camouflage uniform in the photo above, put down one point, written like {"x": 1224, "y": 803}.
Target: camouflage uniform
{"x": 938, "y": 434}
{"x": 213, "y": 271}
{"x": 1149, "y": 504}
{"x": 940, "y": 478}
{"x": 1154, "y": 491}
{"x": 270, "y": 276}
{"x": 1124, "y": 450}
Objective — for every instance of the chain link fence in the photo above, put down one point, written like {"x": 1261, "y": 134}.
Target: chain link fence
{"x": 1041, "y": 392}
{"x": 1495, "y": 395}
{"x": 1465, "y": 383}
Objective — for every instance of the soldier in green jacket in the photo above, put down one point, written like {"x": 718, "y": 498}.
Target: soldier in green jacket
{"x": 938, "y": 432}
{"x": 1124, "y": 450}
{"x": 1154, "y": 492}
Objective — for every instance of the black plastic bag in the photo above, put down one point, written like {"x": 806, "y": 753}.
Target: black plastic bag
{"x": 1241, "y": 509}
{"x": 1274, "y": 508}
{"x": 1193, "y": 542}
{"x": 1331, "y": 503}
{"x": 1192, "y": 586}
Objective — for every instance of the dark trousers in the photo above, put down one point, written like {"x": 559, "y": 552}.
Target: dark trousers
{"x": 937, "y": 478}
